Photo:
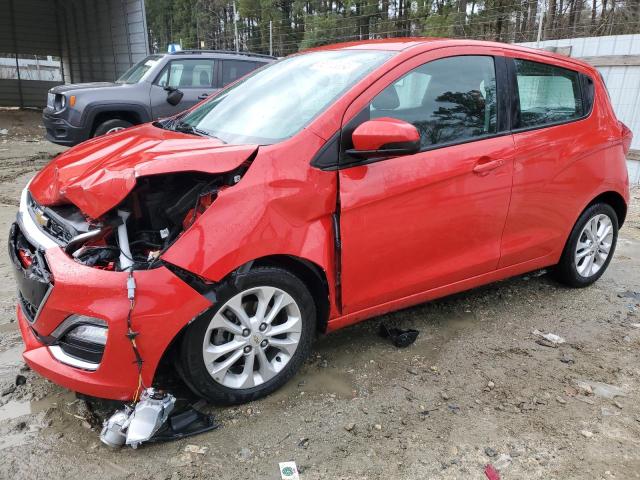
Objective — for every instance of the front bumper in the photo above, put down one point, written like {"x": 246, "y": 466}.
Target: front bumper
{"x": 60, "y": 131}
{"x": 164, "y": 305}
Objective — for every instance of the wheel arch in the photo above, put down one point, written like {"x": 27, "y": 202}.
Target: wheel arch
{"x": 311, "y": 274}
{"x": 609, "y": 197}
{"x": 135, "y": 114}
{"x": 613, "y": 199}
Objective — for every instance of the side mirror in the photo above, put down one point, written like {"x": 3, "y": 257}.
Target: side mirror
{"x": 173, "y": 95}
{"x": 384, "y": 137}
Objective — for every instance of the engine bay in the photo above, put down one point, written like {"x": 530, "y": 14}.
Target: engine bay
{"x": 151, "y": 218}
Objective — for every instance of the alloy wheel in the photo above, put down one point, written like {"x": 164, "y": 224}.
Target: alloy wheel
{"x": 252, "y": 337}
{"x": 594, "y": 245}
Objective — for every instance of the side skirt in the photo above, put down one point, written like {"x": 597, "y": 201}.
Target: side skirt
{"x": 439, "y": 292}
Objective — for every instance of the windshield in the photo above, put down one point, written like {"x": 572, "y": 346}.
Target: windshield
{"x": 279, "y": 100}
{"x": 135, "y": 73}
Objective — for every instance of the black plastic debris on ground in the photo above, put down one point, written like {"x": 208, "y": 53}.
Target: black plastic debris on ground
{"x": 184, "y": 424}
{"x": 399, "y": 337}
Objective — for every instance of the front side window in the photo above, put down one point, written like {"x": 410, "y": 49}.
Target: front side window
{"x": 547, "y": 94}
{"x": 135, "y": 73}
{"x": 447, "y": 100}
{"x": 277, "y": 101}
{"x": 187, "y": 73}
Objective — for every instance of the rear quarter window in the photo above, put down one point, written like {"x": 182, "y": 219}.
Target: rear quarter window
{"x": 548, "y": 94}
{"x": 235, "y": 69}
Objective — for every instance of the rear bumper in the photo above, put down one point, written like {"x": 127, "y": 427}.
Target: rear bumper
{"x": 59, "y": 131}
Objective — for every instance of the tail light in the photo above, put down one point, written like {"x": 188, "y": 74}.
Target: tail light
{"x": 627, "y": 136}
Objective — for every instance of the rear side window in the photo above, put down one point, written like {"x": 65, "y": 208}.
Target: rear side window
{"x": 234, "y": 69}
{"x": 548, "y": 94}
{"x": 448, "y": 100}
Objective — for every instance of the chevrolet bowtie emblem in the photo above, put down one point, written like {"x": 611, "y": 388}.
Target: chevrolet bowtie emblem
{"x": 41, "y": 218}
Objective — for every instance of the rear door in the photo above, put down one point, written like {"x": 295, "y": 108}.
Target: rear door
{"x": 194, "y": 77}
{"x": 558, "y": 162}
{"x": 413, "y": 223}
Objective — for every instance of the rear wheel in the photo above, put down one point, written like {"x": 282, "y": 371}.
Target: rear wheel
{"x": 111, "y": 126}
{"x": 253, "y": 340}
{"x": 590, "y": 246}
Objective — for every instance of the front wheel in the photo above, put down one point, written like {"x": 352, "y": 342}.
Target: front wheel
{"x": 111, "y": 126}
{"x": 590, "y": 246}
{"x": 253, "y": 340}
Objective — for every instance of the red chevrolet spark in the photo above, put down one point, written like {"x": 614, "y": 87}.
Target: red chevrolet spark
{"x": 329, "y": 187}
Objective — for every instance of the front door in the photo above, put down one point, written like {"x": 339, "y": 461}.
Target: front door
{"x": 195, "y": 78}
{"x": 410, "y": 224}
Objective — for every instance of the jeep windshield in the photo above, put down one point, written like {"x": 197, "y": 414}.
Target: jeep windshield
{"x": 279, "y": 100}
{"x": 135, "y": 73}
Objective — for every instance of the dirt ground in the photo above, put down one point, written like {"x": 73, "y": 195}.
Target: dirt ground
{"x": 475, "y": 389}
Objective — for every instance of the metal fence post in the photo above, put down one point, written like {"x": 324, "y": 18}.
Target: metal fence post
{"x": 15, "y": 50}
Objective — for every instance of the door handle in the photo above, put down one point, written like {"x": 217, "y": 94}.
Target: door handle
{"x": 484, "y": 167}
{"x": 203, "y": 96}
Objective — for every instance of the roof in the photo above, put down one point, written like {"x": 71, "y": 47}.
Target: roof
{"x": 405, "y": 43}
{"x": 258, "y": 56}
{"x": 391, "y": 44}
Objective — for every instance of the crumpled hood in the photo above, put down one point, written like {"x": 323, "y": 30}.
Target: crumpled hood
{"x": 97, "y": 175}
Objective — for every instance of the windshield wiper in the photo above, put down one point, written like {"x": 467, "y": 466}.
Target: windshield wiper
{"x": 186, "y": 128}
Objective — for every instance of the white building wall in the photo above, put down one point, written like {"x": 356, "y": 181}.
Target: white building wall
{"x": 623, "y": 82}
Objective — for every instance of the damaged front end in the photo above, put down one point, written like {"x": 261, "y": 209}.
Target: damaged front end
{"x": 134, "y": 235}
{"x": 89, "y": 267}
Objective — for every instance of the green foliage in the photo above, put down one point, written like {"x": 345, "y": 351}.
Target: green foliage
{"x": 320, "y": 30}
{"x": 299, "y": 24}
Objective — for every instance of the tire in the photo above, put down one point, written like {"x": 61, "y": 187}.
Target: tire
{"x": 574, "y": 271}
{"x": 111, "y": 126}
{"x": 234, "y": 377}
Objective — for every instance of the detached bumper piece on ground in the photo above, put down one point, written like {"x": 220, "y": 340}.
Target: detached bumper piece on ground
{"x": 399, "y": 337}
{"x": 151, "y": 420}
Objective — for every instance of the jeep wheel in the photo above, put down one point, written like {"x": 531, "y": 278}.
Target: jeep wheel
{"x": 111, "y": 126}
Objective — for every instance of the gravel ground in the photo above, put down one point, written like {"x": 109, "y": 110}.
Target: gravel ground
{"x": 476, "y": 388}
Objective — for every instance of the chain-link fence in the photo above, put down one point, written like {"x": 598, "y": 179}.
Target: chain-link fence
{"x": 287, "y": 26}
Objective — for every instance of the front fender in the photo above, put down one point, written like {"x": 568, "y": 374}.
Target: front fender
{"x": 91, "y": 111}
{"x": 281, "y": 206}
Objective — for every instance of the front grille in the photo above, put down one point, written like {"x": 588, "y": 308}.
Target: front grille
{"x": 47, "y": 222}
{"x": 28, "y": 308}
{"x": 57, "y": 230}
{"x": 62, "y": 223}
{"x": 34, "y": 279}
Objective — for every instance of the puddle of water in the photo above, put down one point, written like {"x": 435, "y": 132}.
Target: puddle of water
{"x": 313, "y": 381}
{"x": 454, "y": 324}
{"x": 16, "y": 408}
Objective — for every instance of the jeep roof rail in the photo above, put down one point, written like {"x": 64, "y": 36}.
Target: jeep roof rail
{"x": 226, "y": 52}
